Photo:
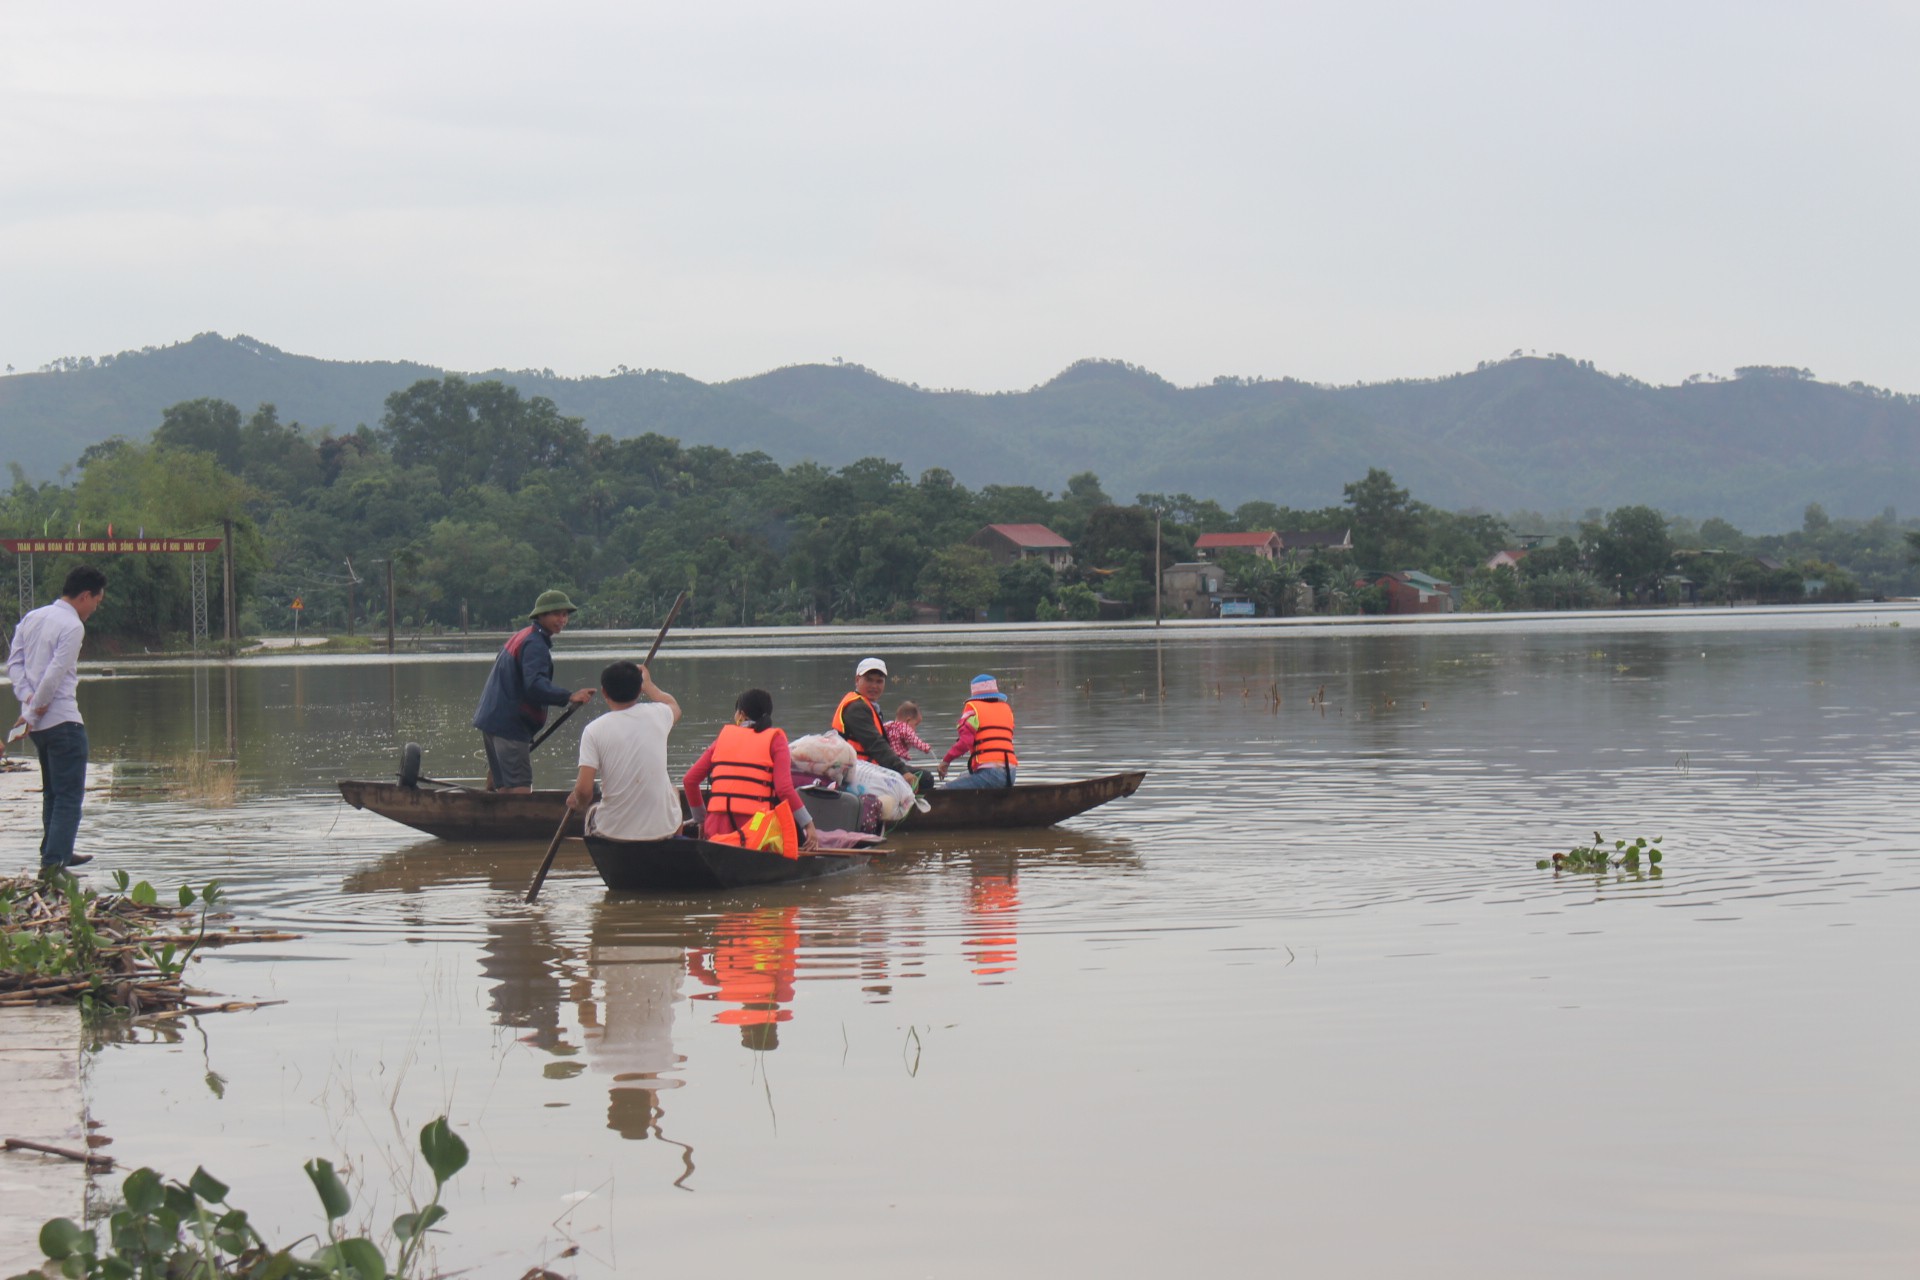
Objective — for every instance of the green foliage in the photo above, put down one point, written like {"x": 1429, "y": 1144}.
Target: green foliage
{"x": 168, "y": 1229}
{"x": 1598, "y": 858}
{"x": 1632, "y": 549}
{"x": 480, "y": 495}
{"x": 1022, "y": 587}
{"x": 1274, "y": 586}
{"x": 1550, "y": 432}
{"x": 207, "y": 426}
{"x": 1079, "y": 603}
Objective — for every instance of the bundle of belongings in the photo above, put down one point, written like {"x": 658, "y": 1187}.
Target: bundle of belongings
{"x": 827, "y": 761}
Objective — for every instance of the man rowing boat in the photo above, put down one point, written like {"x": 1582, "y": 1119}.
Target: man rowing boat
{"x": 519, "y": 690}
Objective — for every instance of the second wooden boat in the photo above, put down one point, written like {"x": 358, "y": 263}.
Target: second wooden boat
{"x": 466, "y": 813}
{"x": 679, "y": 865}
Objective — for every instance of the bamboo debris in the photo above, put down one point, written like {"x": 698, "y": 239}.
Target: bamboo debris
{"x": 195, "y": 1010}
{"x": 116, "y": 954}
{"x": 98, "y": 1163}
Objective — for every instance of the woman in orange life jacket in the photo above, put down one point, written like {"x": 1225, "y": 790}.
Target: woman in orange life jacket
{"x": 985, "y": 737}
{"x": 748, "y": 770}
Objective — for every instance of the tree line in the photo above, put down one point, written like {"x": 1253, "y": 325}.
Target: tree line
{"x": 478, "y": 498}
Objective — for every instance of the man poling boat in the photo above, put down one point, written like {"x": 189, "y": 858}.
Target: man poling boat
{"x": 519, "y": 690}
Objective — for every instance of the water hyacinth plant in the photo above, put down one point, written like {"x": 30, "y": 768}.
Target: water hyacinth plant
{"x": 1598, "y": 857}
{"x": 188, "y": 1229}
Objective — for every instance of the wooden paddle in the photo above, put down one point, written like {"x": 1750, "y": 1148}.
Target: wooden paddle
{"x": 671, "y": 613}
{"x": 546, "y": 863}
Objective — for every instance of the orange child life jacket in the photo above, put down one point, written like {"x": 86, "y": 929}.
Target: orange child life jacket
{"x": 840, "y": 722}
{"x": 993, "y": 740}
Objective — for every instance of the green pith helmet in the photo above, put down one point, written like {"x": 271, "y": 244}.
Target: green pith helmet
{"x": 553, "y": 602}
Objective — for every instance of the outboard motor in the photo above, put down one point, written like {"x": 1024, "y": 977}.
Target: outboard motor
{"x": 410, "y": 765}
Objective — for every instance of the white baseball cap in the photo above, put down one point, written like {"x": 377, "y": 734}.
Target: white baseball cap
{"x": 869, "y": 664}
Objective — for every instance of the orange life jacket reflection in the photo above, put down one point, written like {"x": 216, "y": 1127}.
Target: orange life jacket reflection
{"x": 993, "y": 909}
{"x": 840, "y": 722}
{"x": 750, "y": 966}
{"x": 993, "y": 740}
{"x": 740, "y": 783}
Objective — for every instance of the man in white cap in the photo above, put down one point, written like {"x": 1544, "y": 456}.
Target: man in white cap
{"x": 858, "y": 719}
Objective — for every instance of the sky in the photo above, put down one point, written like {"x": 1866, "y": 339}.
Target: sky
{"x": 969, "y": 195}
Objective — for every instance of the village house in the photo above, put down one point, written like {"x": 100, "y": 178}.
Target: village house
{"x": 1315, "y": 541}
{"x": 1410, "y": 591}
{"x": 1010, "y": 542}
{"x": 1198, "y": 589}
{"x": 1265, "y": 544}
{"x": 1507, "y": 559}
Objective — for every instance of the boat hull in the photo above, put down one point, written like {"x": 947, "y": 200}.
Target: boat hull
{"x": 682, "y": 866}
{"x": 1025, "y": 804}
{"x": 461, "y": 813}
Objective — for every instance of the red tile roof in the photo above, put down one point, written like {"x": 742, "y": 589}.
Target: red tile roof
{"x": 1260, "y": 539}
{"x": 1029, "y": 535}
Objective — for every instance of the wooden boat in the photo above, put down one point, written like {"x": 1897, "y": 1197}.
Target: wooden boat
{"x": 1024, "y": 804}
{"x": 466, "y": 813}
{"x": 677, "y": 865}
{"x": 461, "y": 813}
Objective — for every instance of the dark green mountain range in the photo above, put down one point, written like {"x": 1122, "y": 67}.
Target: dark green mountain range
{"x": 1548, "y": 435}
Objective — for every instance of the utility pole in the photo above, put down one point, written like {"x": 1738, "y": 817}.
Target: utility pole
{"x": 349, "y": 606}
{"x": 230, "y": 613}
{"x": 1156, "y": 566}
{"x": 389, "y": 604}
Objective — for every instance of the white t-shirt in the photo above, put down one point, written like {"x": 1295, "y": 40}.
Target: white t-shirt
{"x": 628, "y": 752}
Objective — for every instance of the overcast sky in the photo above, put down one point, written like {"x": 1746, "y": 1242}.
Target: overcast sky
{"x": 969, "y": 195}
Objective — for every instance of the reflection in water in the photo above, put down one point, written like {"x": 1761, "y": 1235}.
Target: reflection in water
{"x": 524, "y": 966}
{"x": 629, "y": 1032}
{"x": 1338, "y": 833}
{"x": 993, "y": 917}
{"x": 750, "y": 967}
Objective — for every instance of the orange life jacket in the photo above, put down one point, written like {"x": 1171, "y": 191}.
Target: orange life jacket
{"x": 993, "y": 740}
{"x": 769, "y": 831}
{"x": 741, "y": 781}
{"x": 840, "y": 722}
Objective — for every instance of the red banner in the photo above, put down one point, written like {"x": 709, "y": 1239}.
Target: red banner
{"x": 107, "y": 546}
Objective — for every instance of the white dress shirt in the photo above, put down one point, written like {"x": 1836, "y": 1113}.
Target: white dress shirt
{"x": 44, "y": 665}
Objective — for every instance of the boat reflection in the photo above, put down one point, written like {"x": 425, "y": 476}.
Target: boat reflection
{"x": 653, "y": 969}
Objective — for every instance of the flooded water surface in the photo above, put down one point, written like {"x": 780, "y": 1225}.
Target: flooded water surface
{"x": 1303, "y": 1004}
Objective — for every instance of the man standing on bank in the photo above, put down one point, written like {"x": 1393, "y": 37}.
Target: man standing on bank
{"x": 519, "y": 690}
{"x": 44, "y": 667}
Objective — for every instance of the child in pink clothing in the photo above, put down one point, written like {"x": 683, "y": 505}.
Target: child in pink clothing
{"x": 900, "y": 734}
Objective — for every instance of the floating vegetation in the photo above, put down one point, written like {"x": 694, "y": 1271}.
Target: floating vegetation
{"x": 167, "y": 1229}
{"x": 1598, "y": 857}
{"x": 120, "y": 952}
